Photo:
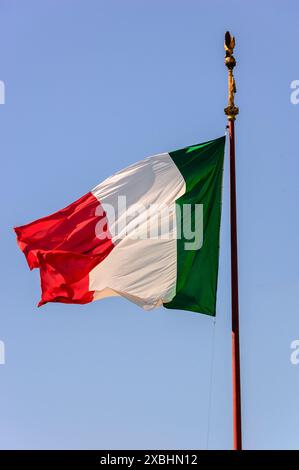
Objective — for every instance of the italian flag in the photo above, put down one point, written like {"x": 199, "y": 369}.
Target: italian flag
{"x": 149, "y": 233}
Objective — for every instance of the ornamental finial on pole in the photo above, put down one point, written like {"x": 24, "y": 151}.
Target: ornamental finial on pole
{"x": 231, "y": 110}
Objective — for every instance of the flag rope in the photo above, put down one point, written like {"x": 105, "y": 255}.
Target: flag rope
{"x": 211, "y": 382}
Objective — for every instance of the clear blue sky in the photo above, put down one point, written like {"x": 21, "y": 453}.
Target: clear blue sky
{"x": 92, "y": 86}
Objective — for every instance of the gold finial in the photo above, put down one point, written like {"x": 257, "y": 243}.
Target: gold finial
{"x": 231, "y": 110}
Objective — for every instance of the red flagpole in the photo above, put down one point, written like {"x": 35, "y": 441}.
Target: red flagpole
{"x": 231, "y": 111}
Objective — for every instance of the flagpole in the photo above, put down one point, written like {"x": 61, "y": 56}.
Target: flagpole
{"x": 231, "y": 112}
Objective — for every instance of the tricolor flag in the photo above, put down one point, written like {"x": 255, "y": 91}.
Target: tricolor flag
{"x": 149, "y": 233}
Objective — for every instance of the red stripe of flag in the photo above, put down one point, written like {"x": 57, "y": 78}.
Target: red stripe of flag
{"x": 65, "y": 247}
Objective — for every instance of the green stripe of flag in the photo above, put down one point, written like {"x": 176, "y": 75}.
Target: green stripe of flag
{"x": 197, "y": 270}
